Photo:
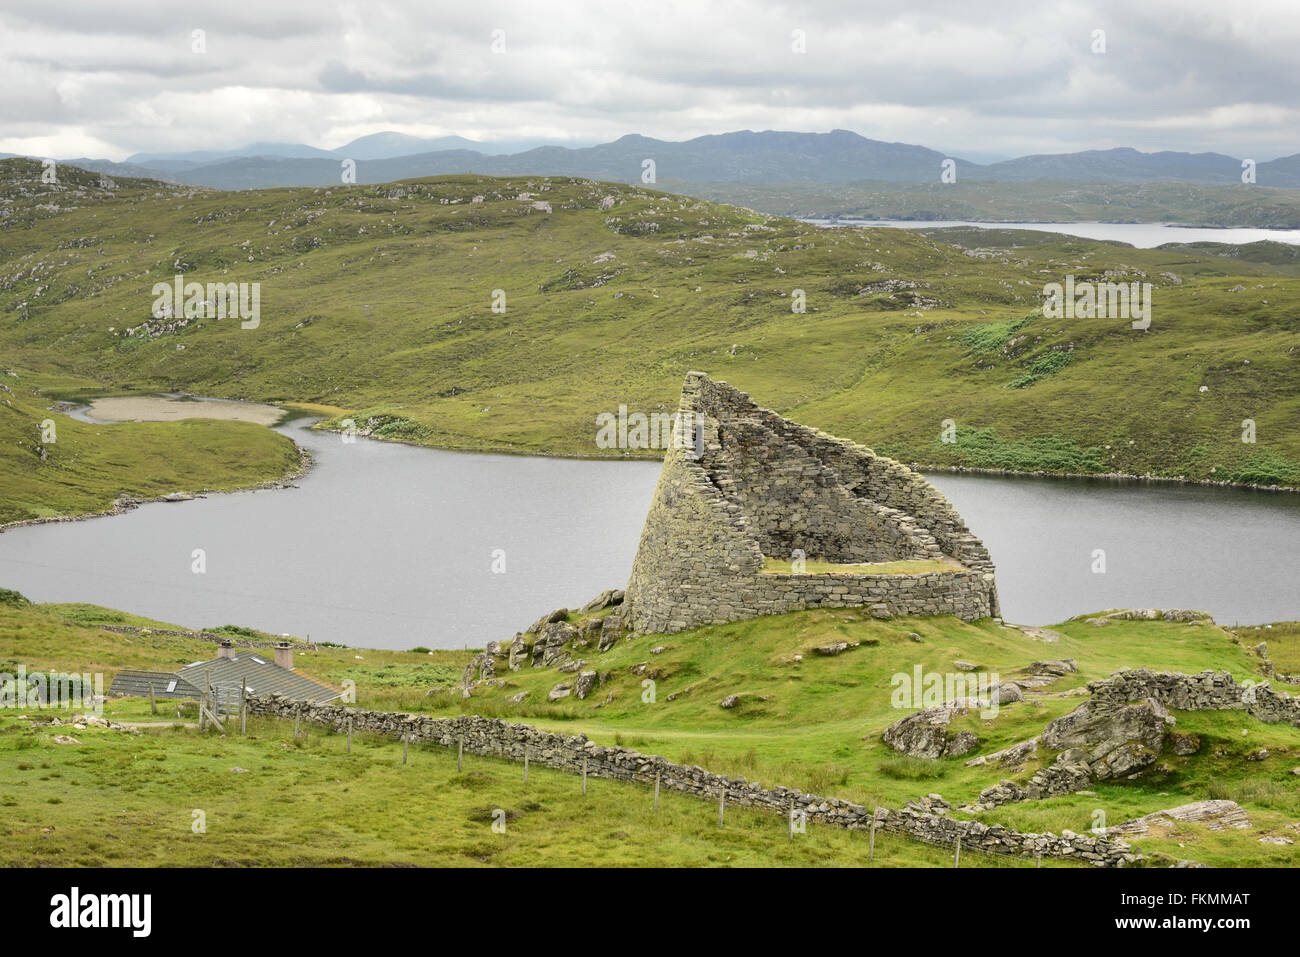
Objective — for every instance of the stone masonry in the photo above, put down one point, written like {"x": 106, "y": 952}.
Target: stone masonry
{"x": 754, "y": 484}
{"x": 496, "y": 738}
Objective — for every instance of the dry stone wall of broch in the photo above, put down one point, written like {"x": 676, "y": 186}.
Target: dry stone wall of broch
{"x": 496, "y": 738}
{"x": 754, "y": 484}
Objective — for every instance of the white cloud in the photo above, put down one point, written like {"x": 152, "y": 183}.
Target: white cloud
{"x": 1007, "y": 77}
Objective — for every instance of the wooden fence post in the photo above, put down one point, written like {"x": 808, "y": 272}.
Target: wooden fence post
{"x": 349, "y": 734}
{"x": 153, "y": 705}
{"x": 460, "y": 753}
{"x": 722, "y": 805}
{"x": 871, "y": 844}
{"x": 406, "y": 744}
{"x": 584, "y": 774}
{"x": 525, "y": 765}
{"x": 792, "y": 819}
{"x": 956, "y": 860}
{"x": 657, "y": 773}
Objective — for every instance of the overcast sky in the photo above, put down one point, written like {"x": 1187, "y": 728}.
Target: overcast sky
{"x": 104, "y": 80}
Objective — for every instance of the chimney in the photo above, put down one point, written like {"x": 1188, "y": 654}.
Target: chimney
{"x": 227, "y": 649}
{"x": 284, "y": 655}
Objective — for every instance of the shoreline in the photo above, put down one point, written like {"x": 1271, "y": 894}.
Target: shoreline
{"x": 923, "y": 469}
{"x": 125, "y": 503}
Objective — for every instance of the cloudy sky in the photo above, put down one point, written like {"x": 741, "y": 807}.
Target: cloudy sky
{"x": 104, "y": 80}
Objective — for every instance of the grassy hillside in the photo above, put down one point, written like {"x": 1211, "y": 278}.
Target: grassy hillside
{"x": 813, "y": 723}
{"x": 378, "y": 300}
{"x": 87, "y": 467}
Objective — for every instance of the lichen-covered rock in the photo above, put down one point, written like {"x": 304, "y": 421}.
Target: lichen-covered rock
{"x": 1102, "y": 726}
{"x": 548, "y": 649}
{"x": 520, "y": 651}
{"x": 582, "y": 687}
{"x": 926, "y": 734}
{"x": 610, "y": 596}
{"x": 561, "y": 690}
{"x": 1008, "y": 693}
{"x": 1215, "y": 815}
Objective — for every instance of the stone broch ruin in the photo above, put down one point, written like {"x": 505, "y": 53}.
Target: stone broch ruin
{"x": 753, "y": 485}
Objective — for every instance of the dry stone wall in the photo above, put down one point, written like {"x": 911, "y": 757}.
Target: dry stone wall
{"x": 756, "y": 484}
{"x": 1206, "y": 691}
{"x": 496, "y": 738}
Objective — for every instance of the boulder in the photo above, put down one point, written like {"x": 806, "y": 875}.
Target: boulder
{"x": 1036, "y": 674}
{"x": 1119, "y": 739}
{"x": 610, "y": 596}
{"x": 1008, "y": 692}
{"x": 548, "y": 649}
{"x": 559, "y": 691}
{"x": 1216, "y": 815}
{"x": 558, "y": 615}
{"x": 925, "y": 734}
{"x": 519, "y": 653}
{"x": 611, "y": 631}
{"x": 834, "y": 648}
{"x": 586, "y": 681}
{"x": 730, "y": 701}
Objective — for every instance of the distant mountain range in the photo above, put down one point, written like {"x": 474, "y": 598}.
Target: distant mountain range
{"x": 839, "y": 156}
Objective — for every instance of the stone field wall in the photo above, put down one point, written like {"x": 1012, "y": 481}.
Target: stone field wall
{"x": 1207, "y": 691}
{"x": 493, "y": 737}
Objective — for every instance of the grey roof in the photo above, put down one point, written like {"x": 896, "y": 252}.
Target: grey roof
{"x": 165, "y": 685}
{"x": 254, "y": 670}
{"x": 261, "y": 675}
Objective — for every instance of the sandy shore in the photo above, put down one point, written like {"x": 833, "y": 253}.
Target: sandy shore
{"x": 144, "y": 408}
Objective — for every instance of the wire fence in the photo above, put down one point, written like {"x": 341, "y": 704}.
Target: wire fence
{"x": 730, "y": 806}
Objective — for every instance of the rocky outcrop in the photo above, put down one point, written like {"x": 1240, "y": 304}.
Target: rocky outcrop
{"x": 606, "y": 599}
{"x": 1097, "y": 741}
{"x": 926, "y": 734}
{"x": 1149, "y": 614}
{"x": 1110, "y": 739}
{"x": 1215, "y": 815}
{"x": 1038, "y": 674}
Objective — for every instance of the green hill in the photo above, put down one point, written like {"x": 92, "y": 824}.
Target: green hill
{"x": 802, "y": 720}
{"x": 54, "y": 465}
{"x": 379, "y": 300}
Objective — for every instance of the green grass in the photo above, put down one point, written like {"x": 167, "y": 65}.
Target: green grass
{"x": 804, "y": 720}
{"x": 120, "y": 800}
{"x": 88, "y": 466}
{"x": 377, "y": 306}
